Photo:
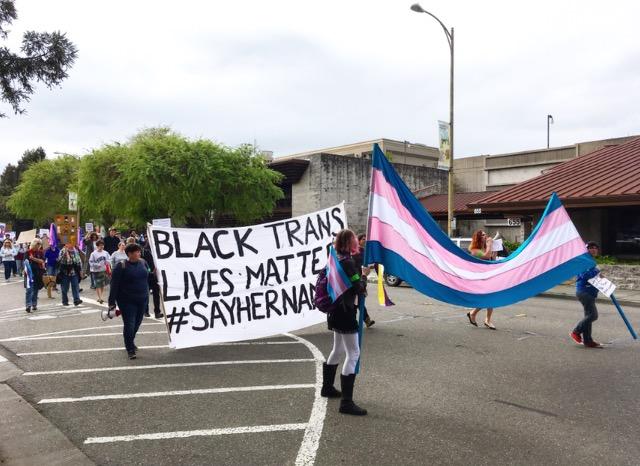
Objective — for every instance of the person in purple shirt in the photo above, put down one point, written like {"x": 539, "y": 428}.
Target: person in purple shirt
{"x": 586, "y": 294}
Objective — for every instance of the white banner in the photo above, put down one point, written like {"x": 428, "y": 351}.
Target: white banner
{"x": 230, "y": 284}
{"x": 603, "y": 285}
{"x": 161, "y": 222}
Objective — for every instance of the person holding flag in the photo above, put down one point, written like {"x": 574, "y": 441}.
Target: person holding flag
{"x": 344, "y": 283}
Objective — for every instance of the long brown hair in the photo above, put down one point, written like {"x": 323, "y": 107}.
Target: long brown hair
{"x": 476, "y": 240}
{"x": 344, "y": 239}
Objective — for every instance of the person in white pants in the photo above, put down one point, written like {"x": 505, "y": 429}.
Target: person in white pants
{"x": 344, "y": 324}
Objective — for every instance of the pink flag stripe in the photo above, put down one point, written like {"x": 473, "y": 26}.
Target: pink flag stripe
{"x": 334, "y": 278}
{"x": 391, "y": 239}
{"x": 385, "y": 190}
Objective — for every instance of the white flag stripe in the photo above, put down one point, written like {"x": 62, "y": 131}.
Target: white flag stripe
{"x": 553, "y": 239}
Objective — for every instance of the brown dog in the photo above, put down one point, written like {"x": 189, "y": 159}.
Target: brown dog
{"x": 49, "y": 283}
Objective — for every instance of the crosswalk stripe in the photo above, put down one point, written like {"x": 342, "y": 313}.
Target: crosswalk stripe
{"x": 167, "y": 366}
{"x": 197, "y": 433}
{"x": 200, "y": 391}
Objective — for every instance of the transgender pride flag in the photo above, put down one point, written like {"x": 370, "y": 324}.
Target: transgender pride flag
{"x": 337, "y": 279}
{"x": 409, "y": 243}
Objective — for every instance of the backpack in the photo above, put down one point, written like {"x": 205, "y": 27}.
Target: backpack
{"x": 322, "y": 300}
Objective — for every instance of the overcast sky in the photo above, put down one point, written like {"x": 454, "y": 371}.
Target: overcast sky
{"x": 299, "y": 75}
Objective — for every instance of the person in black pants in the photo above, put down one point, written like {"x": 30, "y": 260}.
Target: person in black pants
{"x": 130, "y": 291}
{"x": 587, "y": 294}
{"x": 153, "y": 282}
{"x": 359, "y": 258}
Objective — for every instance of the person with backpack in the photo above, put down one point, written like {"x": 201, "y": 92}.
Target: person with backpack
{"x": 130, "y": 291}
{"x": 342, "y": 320}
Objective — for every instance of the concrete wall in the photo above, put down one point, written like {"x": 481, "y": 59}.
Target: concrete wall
{"x": 468, "y": 174}
{"x": 330, "y": 179}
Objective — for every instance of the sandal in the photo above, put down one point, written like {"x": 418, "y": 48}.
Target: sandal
{"x": 471, "y": 321}
{"x": 489, "y": 326}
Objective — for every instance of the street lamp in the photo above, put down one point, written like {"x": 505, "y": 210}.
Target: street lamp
{"x": 449, "y": 33}
{"x": 549, "y": 120}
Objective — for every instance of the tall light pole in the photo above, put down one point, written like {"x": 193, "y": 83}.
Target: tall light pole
{"x": 449, "y": 33}
{"x": 549, "y": 120}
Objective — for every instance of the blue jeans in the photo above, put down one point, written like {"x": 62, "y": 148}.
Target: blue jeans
{"x": 132, "y": 315}
{"x": 73, "y": 280}
{"x": 51, "y": 269}
{"x": 9, "y": 266}
{"x": 31, "y": 296}
{"x": 588, "y": 302}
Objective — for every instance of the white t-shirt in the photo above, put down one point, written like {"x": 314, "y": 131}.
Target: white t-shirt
{"x": 98, "y": 261}
{"x": 8, "y": 254}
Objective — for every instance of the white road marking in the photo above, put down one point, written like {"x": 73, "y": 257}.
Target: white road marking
{"x": 163, "y": 366}
{"x": 90, "y": 311}
{"x": 84, "y": 335}
{"x": 60, "y": 332}
{"x": 3, "y": 359}
{"x": 120, "y": 348}
{"x": 42, "y": 317}
{"x": 311, "y": 440}
{"x": 202, "y": 391}
{"x": 197, "y": 433}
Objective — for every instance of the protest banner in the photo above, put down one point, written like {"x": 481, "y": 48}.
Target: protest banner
{"x": 603, "y": 285}
{"x": 229, "y": 284}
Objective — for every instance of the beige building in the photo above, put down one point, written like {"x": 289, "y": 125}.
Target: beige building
{"x": 403, "y": 152}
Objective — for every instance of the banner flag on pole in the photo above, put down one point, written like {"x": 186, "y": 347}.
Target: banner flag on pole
{"x": 383, "y": 297}
{"x": 411, "y": 245}
{"x": 337, "y": 279}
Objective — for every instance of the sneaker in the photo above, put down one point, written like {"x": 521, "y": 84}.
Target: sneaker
{"x": 28, "y": 309}
{"x": 369, "y": 322}
{"x": 132, "y": 354}
{"x": 146, "y": 314}
{"x": 77, "y": 303}
{"x": 34, "y": 308}
{"x": 158, "y": 315}
{"x": 575, "y": 336}
{"x": 593, "y": 344}
{"x": 65, "y": 304}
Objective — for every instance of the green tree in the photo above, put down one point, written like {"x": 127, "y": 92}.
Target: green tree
{"x": 45, "y": 57}
{"x": 10, "y": 179}
{"x": 159, "y": 173}
{"x": 43, "y": 189}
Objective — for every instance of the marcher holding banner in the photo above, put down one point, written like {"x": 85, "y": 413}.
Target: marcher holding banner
{"x": 343, "y": 321}
{"x": 587, "y": 294}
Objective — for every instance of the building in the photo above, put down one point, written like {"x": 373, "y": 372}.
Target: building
{"x": 404, "y": 152}
{"x": 488, "y": 173}
{"x": 315, "y": 180}
{"x": 600, "y": 190}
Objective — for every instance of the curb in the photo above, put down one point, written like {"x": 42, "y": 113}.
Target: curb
{"x": 26, "y": 436}
{"x": 622, "y": 302}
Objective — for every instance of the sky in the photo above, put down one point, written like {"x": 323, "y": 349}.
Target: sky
{"x": 294, "y": 76}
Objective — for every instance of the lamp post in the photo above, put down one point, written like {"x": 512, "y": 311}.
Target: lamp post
{"x": 449, "y": 33}
{"x": 549, "y": 120}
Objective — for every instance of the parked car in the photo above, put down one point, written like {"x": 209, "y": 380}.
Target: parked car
{"x": 392, "y": 280}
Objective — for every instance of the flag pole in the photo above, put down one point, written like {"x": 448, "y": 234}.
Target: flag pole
{"x": 361, "y": 298}
{"x": 624, "y": 317}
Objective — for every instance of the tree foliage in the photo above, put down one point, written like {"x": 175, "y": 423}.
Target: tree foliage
{"x": 159, "y": 173}
{"x": 10, "y": 179}
{"x": 43, "y": 189}
{"x": 45, "y": 57}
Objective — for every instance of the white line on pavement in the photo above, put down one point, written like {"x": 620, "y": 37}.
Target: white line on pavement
{"x": 120, "y": 348}
{"x": 3, "y": 359}
{"x": 60, "y": 332}
{"x": 162, "y": 366}
{"x": 197, "y": 433}
{"x": 202, "y": 391}
{"x": 311, "y": 440}
{"x": 42, "y": 317}
{"x": 84, "y": 335}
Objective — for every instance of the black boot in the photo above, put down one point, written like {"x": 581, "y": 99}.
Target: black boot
{"x": 347, "y": 406}
{"x": 328, "y": 376}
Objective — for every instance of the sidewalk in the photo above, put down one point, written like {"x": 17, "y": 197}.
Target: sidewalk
{"x": 624, "y": 297}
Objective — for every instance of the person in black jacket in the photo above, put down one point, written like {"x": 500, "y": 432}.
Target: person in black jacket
{"x": 344, "y": 324}
{"x": 153, "y": 282}
{"x": 111, "y": 242}
{"x": 130, "y": 290}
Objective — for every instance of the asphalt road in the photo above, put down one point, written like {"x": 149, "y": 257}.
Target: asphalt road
{"x": 438, "y": 390}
